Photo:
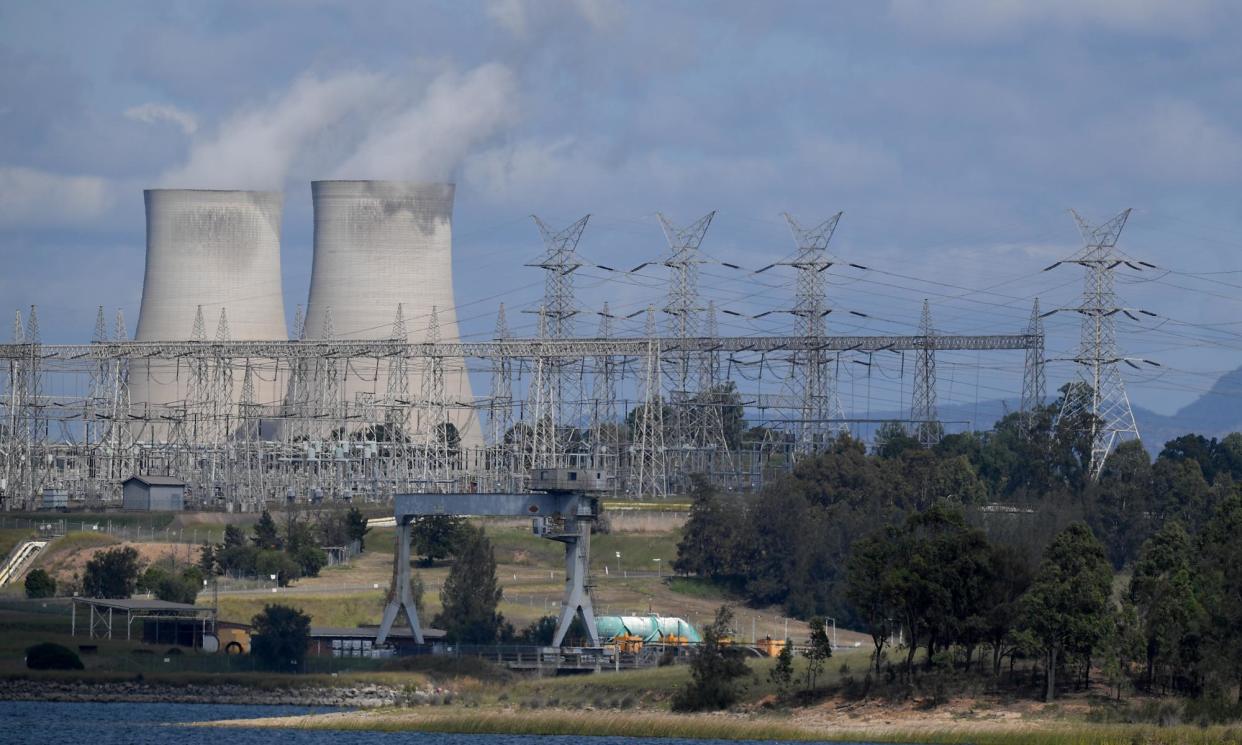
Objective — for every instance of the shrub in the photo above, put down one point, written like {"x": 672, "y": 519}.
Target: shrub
{"x": 280, "y": 637}
{"x": 715, "y": 669}
{"x": 112, "y": 573}
{"x": 40, "y": 584}
{"x": 48, "y": 656}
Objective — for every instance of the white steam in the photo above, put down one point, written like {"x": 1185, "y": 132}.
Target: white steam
{"x": 429, "y": 138}
{"x": 255, "y": 148}
{"x": 354, "y": 125}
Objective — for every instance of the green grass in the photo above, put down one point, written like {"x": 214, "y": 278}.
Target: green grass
{"x": 75, "y": 520}
{"x": 696, "y": 587}
{"x": 10, "y": 537}
{"x": 637, "y": 551}
{"x": 348, "y": 610}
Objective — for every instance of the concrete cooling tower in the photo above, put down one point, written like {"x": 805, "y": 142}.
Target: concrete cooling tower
{"x": 380, "y": 244}
{"x": 210, "y": 249}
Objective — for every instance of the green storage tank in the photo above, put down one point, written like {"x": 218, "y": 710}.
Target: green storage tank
{"x": 651, "y": 628}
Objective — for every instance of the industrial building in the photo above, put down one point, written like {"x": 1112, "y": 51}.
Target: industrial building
{"x": 371, "y": 397}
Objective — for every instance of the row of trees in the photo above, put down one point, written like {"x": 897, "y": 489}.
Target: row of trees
{"x": 1022, "y": 483}
{"x": 120, "y": 572}
{"x": 967, "y": 547}
{"x": 288, "y": 554}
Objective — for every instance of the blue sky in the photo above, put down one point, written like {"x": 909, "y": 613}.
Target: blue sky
{"x": 953, "y": 134}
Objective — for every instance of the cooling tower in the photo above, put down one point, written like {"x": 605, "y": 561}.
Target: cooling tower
{"x": 210, "y": 249}
{"x": 380, "y": 244}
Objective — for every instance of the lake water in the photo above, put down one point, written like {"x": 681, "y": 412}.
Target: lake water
{"x": 37, "y": 723}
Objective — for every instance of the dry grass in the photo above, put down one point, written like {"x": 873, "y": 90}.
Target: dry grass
{"x": 730, "y": 727}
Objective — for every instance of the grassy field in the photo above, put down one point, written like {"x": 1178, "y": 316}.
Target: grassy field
{"x": 10, "y": 537}
{"x": 717, "y": 727}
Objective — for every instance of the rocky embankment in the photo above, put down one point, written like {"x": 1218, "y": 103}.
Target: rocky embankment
{"x": 354, "y": 697}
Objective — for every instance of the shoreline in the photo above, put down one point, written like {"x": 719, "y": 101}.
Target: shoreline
{"x": 362, "y": 696}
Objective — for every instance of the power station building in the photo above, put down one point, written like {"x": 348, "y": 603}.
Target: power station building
{"x": 213, "y": 271}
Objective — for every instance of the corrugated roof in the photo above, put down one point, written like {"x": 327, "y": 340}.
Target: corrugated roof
{"x": 368, "y": 632}
{"x": 141, "y": 604}
{"x": 156, "y": 480}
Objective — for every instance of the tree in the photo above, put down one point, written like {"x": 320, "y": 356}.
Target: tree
{"x": 111, "y": 574}
{"x": 436, "y": 537}
{"x": 1219, "y": 589}
{"x": 40, "y": 584}
{"x": 356, "y": 526}
{"x": 1119, "y": 505}
{"x": 540, "y": 632}
{"x": 1009, "y": 579}
{"x": 892, "y": 440}
{"x": 1067, "y": 605}
{"x": 171, "y": 586}
{"x": 238, "y": 561}
{"x": 781, "y": 674}
{"x": 1123, "y": 644}
{"x": 869, "y": 589}
{"x": 1164, "y": 599}
{"x": 279, "y": 637}
{"x": 207, "y": 560}
{"x": 714, "y": 670}
{"x": 710, "y": 534}
{"x": 266, "y": 535}
{"x": 471, "y": 593}
{"x": 818, "y": 651}
{"x": 233, "y": 537}
{"x": 303, "y": 548}
{"x": 278, "y": 563}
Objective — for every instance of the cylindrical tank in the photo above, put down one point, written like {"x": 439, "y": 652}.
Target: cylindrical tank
{"x": 380, "y": 244}
{"x": 651, "y": 629}
{"x": 208, "y": 249}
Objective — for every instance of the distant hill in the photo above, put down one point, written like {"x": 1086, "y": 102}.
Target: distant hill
{"x": 1214, "y": 414}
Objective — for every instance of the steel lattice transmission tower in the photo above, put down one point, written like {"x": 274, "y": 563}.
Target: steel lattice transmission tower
{"x": 1099, "y": 403}
{"x": 813, "y": 374}
{"x": 1033, "y": 382}
{"x": 648, "y": 472}
{"x": 693, "y": 435}
{"x": 433, "y": 415}
{"x": 561, "y": 378}
{"x": 923, "y": 413}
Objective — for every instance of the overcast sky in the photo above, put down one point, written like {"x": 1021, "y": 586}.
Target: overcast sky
{"x": 955, "y": 135}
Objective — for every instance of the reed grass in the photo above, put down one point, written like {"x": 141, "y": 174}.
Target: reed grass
{"x": 730, "y": 727}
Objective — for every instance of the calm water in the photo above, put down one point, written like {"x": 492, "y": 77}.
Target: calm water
{"x": 34, "y": 723}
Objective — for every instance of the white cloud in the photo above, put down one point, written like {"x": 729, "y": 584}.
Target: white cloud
{"x": 521, "y": 17}
{"x": 33, "y": 197}
{"x": 428, "y": 139}
{"x": 256, "y": 147}
{"x": 985, "y": 18}
{"x": 1176, "y": 139}
{"x": 152, "y": 113}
